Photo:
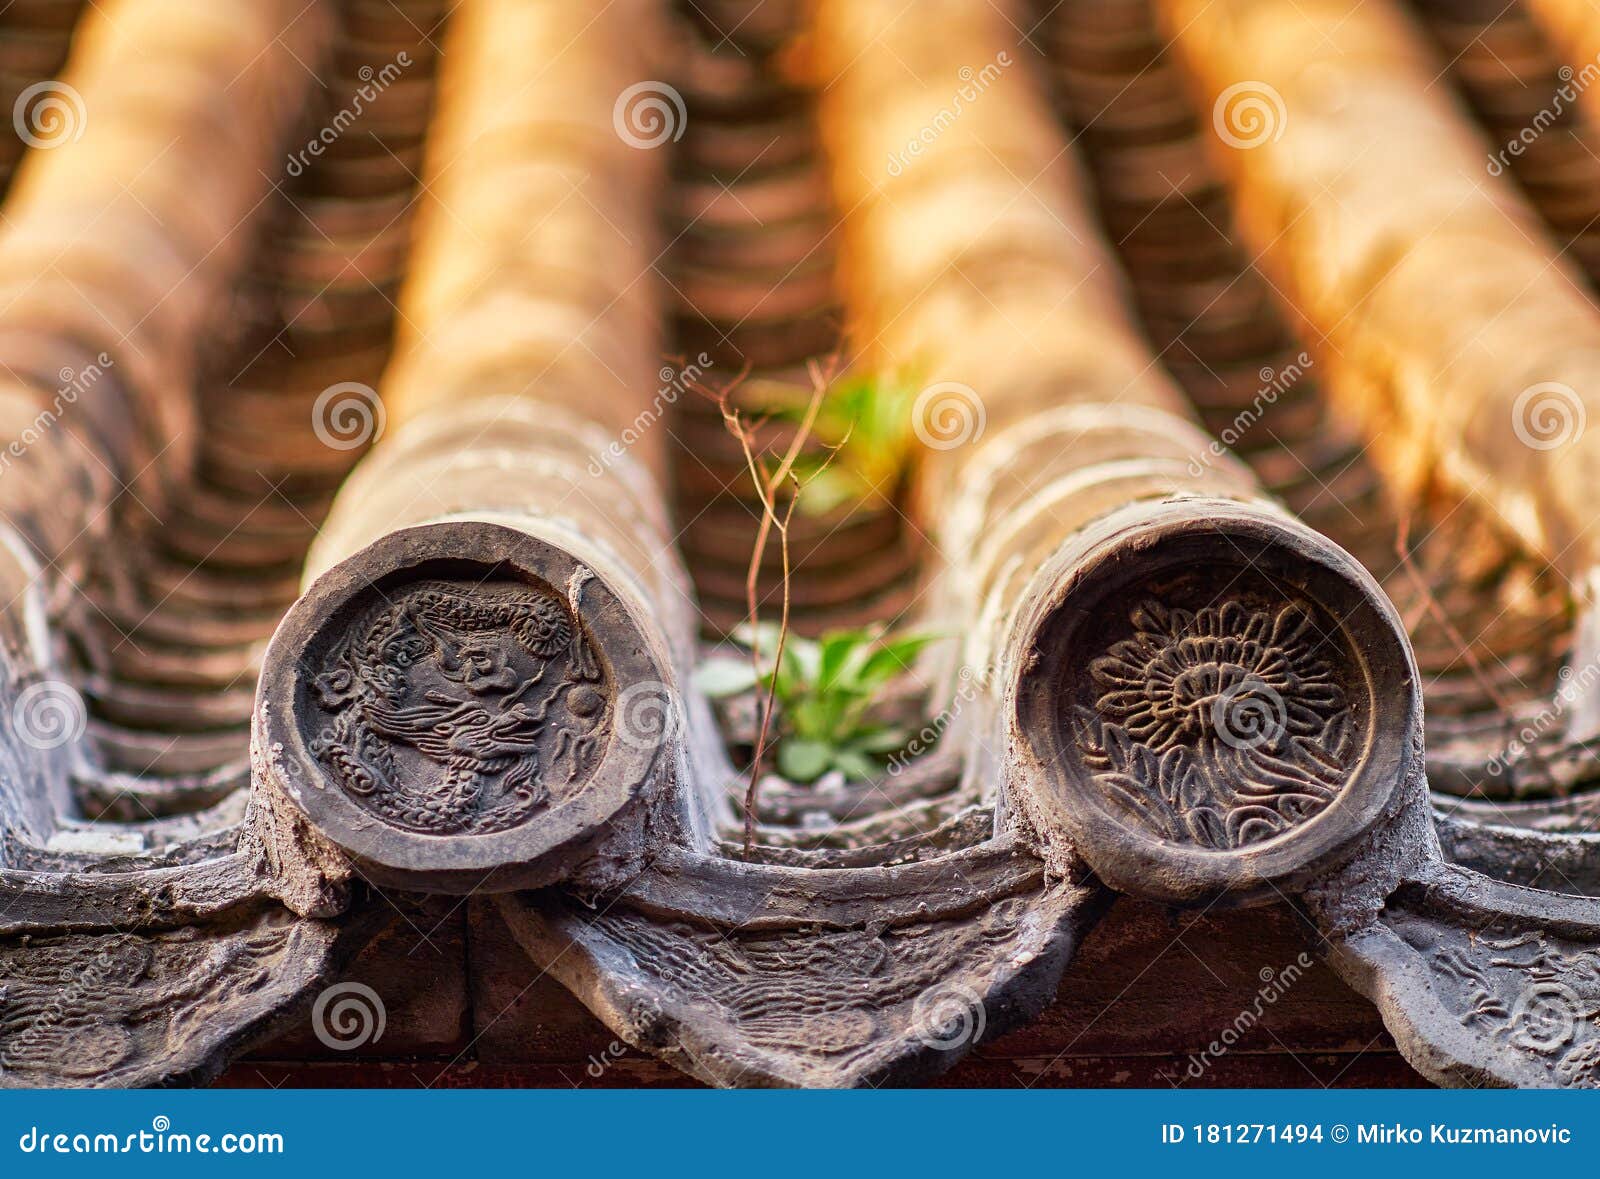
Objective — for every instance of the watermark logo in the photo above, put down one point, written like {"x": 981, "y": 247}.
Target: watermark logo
{"x": 925, "y": 738}
{"x": 1573, "y": 685}
{"x": 373, "y": 83}
{"x": 649, "y": 114}
{"x": 949, "y": 1017}
{"x": 49, "y": 714}
{"x": 38, "y": 1044}
{"x": 1249, "y": 714}
{"x": 74, "y": 383}
{"x": 1545, "y": 1016}
{"x": 1275, "y": 984}
{"x": 49, "y": 114}
{"x": 971, "y": 84}
{"x": 609, "y": 1055}
{"x": 1573, "y": 83}
{"x": 160, "y": 1138}
{"x": 947, "y": 415}
{"x": 1274, "y": 384}
{"x": 675, "y": 382}
{"x": 1249, "y": 114}
{"x": 1548, "y": 415}
{"x": 347, "y": 1016}
{"x": 348, "y": 415}
{"x": 644, "y": 714}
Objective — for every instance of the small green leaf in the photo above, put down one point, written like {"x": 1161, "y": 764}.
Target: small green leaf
{"x": 864, "y": 421}
{"x": 884, "y": 741}
{"x": 806, "y": 656}
{"x": 725, "y": 676}
{"x": 854, "y": 766}
{"x": 866, "y": 642}
{"x": 803, "y": 761}
{"x": 811, "y": 717}
{"x": 837, "y": 648}
{"x": 893, "y": 659}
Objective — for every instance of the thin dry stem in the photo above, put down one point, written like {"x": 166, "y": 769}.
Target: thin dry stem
{"x": 767, "y": 485}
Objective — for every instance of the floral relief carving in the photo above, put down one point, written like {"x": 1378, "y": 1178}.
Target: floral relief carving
{"x": 454, "y": 709}
{"x": 1221, "y": 727}
{"x": 1536, "y": 995}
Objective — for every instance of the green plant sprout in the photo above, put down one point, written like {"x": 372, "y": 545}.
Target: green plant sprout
{"x": 865, "y": 424}
{"x": 826, "y": 691}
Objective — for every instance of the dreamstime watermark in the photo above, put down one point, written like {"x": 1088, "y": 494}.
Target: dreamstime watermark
{"x": 1521, "y": 990}
{"x": 972, "y": 85}
{"x": 1274, "y": 384}
{"x": 39, "y": 1042}
{"x": 49, "y": 714}
{"x": 1275, "y": 984}
{"x": 948, "y": 414}
{"x": 1572, "y": 686}
{"x": 347, "y": 1016}
{"x": 49, "y": 114}
{"x": 160, "y": 1138}
{"x": 348, "y": 415}
{"x": 1249, "y": 114}
{"x": 1545, "y": 1016}
{"x": 74, "y": 383}
{"x": 1573, "y": 83}
{"x": 970, "y": 684}
{"x": 600, "y": 1063}
{"x": 649, "y": 114}
{"x": 373, "y": 84}
{"x": 674, "y": 384}
{"x": 948, "y": 1017}
{"x": 644, "y": 714}
{"x": 1548, "y": 416}
{"x": 1249, "y": 714}
{"x": 644, "y": 1015}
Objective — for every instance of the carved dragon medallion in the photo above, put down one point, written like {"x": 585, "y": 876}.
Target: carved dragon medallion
{"x": 451, "y": 709}
{"x": 464, "y": 706}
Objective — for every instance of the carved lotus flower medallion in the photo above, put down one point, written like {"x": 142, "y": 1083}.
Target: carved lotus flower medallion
{"x": 1220, "y": 727}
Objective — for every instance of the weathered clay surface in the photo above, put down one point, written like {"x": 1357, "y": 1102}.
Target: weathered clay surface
{"x": 477, "y": 688}
{"x": 1165, "y": 684}
{"x": 747, "y": 975}
{"x": 434, "y": 723}
{"x": 151, "y": 951}
{"x": 1233, "y": 705}
{"x": 125, "y": 1009}
{"x": 1483, "y": 983}
{"x": 1221, "y": 708}
{"x": 446, "y": 708}
{"x": 1491, "y": 625}
{"x": 1210, "y": 701}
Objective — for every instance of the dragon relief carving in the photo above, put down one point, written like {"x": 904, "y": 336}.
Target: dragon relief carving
{"x": 1219, "y": 728}
{"x": 460, "y": 709}
{"x": 80, "y": 1008}
{"x": 828, "y": 999}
